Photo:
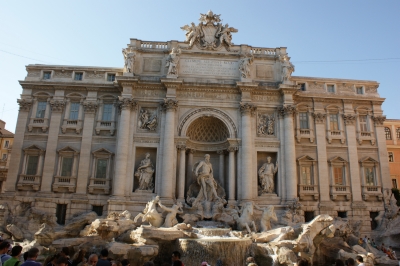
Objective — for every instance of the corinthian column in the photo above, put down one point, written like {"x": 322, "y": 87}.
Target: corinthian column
{"x": 221, "y": 167}
{"x": 290, "y": 153}
{"x": 169, "y": 106}
{"x": 121, "y": 157}
{"x": 247, "y": 111}
{"x": 182, "y": 166}
{"x": 381, "y": 143}
{"x": 231, "y": 174}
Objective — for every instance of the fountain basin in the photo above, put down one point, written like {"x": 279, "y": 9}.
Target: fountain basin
{"x": 231, "y": 251}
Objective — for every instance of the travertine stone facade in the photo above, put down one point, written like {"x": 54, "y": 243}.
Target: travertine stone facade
{"x": 83, "y": 131}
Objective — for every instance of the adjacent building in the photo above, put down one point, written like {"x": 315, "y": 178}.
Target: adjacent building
{"x": 82, "y": 132}
{"x": 392, "y": 135}
{"x": 6, "y": 142}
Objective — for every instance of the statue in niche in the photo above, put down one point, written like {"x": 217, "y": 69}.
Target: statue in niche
{"x": 145, "y": 173}
{"x": 244, "y": 66}
{"x": 150, "y": 213}
{"x": 173, "y": 61}
{"x": 146, "y": 121}
{"x": 266, "y": 174}
{"x": 170, "y": 219}
{"x": 266, "y": 124}
{"x": 129, "y": 60}
{"x": 205, "y": 179}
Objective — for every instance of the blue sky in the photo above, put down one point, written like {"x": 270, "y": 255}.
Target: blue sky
{"x": 92, "y": 33}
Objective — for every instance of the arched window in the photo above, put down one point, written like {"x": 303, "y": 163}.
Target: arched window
{"x": 387, "y": 133}
{"x": 398, "y": 132}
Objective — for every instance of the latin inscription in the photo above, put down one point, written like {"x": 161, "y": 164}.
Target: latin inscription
{"x": 265, "y": 98}
{"x": 149, "y": 93}
{"x": 203, "y": 67}
{"x": 197, "y": 95}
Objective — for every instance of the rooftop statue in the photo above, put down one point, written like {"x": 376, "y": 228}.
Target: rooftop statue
{"x": 209, "y": 34}
{"x": 129, "y": 60}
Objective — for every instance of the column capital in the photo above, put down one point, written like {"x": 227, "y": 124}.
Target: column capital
{"x": 349, "y": 119}
{"x": 57, "y": 105}
{"x": 181, "y": 147}
{"x": 319, "y": 117}
{"x": 126, "y": 103}
{"x": 90, "y": 106}
{"x": 169, "y": 104}
{"x": 247, "y": 108}
{"x": 24, "y": 104}
{"x": 378, "y": 119}
{"x": 287, "y": 110}
{"x": 232, "y": 148}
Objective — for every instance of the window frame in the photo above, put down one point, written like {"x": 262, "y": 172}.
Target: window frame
{"x": 362, "y": 90}
{"x": 40, "y": 103}
{"x": 388, "y": 133}
{"x": 330, "y": 85}
{"x": 108, "y": 75}
{"x": 394, "y": 183}
{"x": 78, "y": 74}
{"x": 391, "y": 156}
{"x": 6, "y": 144}
{"x": 338, "y": 162}
{"x": 398, "y": 132}
{"x": 4, "y": 157}
{"x": 78, "y": 104}
{"x": 47, "y": 74}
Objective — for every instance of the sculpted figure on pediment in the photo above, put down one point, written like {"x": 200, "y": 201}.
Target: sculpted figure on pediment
{"x": 173, "y": 62}
{"x": 287, "y": 68}
{"x": 244, "y": 66}
{"x": 209, "y": 34}
{"x": 129, "y": 60}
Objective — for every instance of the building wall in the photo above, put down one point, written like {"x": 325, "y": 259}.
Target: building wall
{"x": 393, "y": 146}
{"x": 243, "y": 106}
{"x": 6, "y": 143}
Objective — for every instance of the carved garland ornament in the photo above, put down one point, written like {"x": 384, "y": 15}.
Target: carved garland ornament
{"x": 57, "y": 106}
{"x": 247, "y": 108}
{"x": 24, "y": 105}
{"x": 169, "y": 104}
{"x": 349, "y": 119}
{"x": 90, "y": 106}
{"x": 207, "y": 110}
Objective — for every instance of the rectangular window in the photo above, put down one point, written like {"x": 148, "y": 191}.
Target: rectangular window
{"x": 303, "y": 120}
{"x": 369, "y": 175}
{"x": 66, "y": 166}
{"x": 308, "y": 216}
{"x": 110, "y": 77}
{"x": 107, "y": 111}
{"x": 4, "y": 157}
{"x": 78, "y": 76}
{"x": 394, "y": 183}
{"x": 359, "y": 90}
{"x": 306, "y": 175}
{"x": 334, "y": 122}
{"x": 391, "y": 157}
{"x": 46, "y": 75}
{"x": 302, "y": 86}
{"x": 61, "y": 212}
{"x": 374, "y": 223}
{"x": 338, "y": 175}
{"x": 330, "y": 88}
{"x": 6, "y": 144}
{"x": 342, "y": 214}
{"x": 74, "y": 111}
{"x": 363, "y": 123}
{"x": 101, "y": 169}
{"x": 41, "y": 109}
{"x": 32, "y": 165}
{"x": 98, "y": 210}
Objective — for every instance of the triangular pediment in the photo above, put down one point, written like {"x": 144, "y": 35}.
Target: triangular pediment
{"x": 368, "y": 160}
{"x": 102, "y": 150}
{"x": 68, "y": 149}
{"x": 337, "y": 159}
{"x": 33, "y": 148}
{"x": 305, "y": 158}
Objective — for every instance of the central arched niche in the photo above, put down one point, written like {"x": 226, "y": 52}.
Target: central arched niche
{"x": 207, "y": 129}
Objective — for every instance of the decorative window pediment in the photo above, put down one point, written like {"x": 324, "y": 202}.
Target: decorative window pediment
{"x": 33, "y": 148}
{"x": 68, "y": 149}
{"x": 102, "y": 151}
{"x": 306, "y": 158}
{"x": 337, "y": 159}
{"x": 368, "y": 160}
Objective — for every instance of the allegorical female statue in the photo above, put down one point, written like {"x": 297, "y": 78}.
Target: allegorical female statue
{"x": 266, "y": 174}
{"x": 145, "y": 173}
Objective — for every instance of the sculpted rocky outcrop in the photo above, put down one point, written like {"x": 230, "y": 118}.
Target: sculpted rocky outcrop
{"x": 45, "y": 236}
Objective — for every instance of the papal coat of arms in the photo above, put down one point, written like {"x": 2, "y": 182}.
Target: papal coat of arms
{"x": 209, "y": 34}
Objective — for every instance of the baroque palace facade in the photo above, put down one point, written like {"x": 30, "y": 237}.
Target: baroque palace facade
{"x": 83, "y": 132}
